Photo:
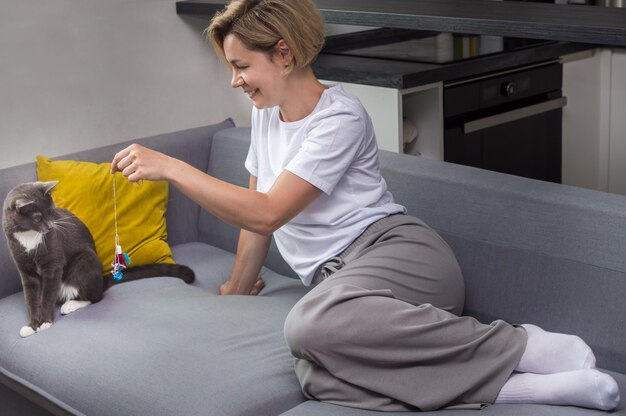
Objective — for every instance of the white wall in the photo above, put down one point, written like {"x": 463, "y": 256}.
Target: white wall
{"x": 75, "y": 74}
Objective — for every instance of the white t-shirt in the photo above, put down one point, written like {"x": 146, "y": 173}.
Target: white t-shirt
{"x": 333, "y": 148}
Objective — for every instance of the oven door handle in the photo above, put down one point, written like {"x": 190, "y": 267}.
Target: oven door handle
{"x": 517, "y": 114}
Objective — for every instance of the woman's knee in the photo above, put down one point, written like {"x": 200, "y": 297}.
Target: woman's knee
{"x": 310, "y": 325}
{"x": 300, "y": 330}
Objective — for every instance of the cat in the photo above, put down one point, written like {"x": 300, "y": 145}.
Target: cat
{"x": 55, "y": 255}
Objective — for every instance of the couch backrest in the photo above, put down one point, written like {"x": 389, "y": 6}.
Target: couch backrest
{"x": 530, "y": 251}
{"x": 192, "y": 146}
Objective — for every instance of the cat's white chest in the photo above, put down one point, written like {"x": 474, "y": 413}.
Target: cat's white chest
{"x": 30, "y": 240}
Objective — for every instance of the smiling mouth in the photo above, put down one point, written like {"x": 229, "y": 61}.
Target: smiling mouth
{"x": 251, "y": 93}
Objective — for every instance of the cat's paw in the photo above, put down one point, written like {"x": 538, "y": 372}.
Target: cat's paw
{"x": 26, "y": 331}
{"x": 73, "y": 305}
{"x": 44, "y": 326}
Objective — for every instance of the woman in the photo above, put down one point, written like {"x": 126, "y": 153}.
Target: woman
{"x": 381, "y": 327}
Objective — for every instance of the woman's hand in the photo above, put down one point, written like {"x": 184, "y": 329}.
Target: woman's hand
{"x": 229, "y": 288}
{"x": 137, "y": 163}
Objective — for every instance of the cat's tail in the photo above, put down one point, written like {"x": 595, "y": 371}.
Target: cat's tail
{"x": 153, "y": 270}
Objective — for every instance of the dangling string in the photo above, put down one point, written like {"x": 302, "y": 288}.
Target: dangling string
{"x": 121, "y": 259}
{"x": 117, "y": 237}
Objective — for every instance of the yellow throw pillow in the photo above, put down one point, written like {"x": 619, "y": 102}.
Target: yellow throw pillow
{"x": 86, "y": 189}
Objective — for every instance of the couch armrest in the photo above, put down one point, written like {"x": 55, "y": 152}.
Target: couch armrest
{"x": 9, "y": 177}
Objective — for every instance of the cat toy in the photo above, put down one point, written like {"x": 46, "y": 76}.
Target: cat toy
{"x": 121, "y": 259}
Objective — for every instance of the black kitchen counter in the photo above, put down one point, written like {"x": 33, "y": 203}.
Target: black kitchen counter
{"x": 570, "y": 23}
{"x": 402, "y": 74}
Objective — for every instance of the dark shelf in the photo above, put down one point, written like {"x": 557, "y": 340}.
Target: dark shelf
{"x": 587, "y": 24}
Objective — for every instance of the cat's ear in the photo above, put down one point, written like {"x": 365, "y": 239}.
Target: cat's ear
{"x": 22, "y": 202}
{"x": 48, "y": 186}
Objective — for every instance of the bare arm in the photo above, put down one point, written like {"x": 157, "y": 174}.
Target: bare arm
{"x": 252, "y": 250}
{"x": 261, "y": 213}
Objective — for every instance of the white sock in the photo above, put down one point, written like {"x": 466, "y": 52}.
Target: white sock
{"x": 550, "y": 352}
{"x": 583, "y": 388}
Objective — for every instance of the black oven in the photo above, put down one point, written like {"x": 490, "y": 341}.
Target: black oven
{"x": 507, "y": 122}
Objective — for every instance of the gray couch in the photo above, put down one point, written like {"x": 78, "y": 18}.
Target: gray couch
{"x": 530, "y": 252}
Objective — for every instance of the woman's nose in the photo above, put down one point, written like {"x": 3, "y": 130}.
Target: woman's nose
{"x": 236, "y": 81}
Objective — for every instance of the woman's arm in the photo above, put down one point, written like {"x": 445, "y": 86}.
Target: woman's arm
{"x": 260, "y": 213}
{"x": 252, "y": 250}
{"x": 251, "y": 253}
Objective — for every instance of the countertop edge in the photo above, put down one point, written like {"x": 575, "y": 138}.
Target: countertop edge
{"x": 403, "y": 75}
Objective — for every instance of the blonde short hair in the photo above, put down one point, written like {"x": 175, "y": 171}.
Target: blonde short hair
{"x": 260, "y": 24}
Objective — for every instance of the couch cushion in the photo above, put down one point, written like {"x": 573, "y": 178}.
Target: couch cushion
{"x": 213, "y": 266}
{"x": 314, "y": 408}
{"x": 225, "y": 354}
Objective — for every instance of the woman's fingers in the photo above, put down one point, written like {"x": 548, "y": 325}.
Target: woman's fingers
{"x": 258, "y": 285}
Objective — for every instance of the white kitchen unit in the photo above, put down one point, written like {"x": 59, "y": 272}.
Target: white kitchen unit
{"x": 617, "y": 126}
{"x": 394, "y": 111}
{"x": 594, "y": 121}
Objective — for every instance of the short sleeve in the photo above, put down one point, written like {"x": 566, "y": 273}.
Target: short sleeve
{"x": 328, "y": 150}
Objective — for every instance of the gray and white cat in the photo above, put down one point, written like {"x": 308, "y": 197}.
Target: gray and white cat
{"x": 56, "y": 256}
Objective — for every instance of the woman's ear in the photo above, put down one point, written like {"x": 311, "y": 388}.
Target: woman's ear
{"x": 283, "y": 53}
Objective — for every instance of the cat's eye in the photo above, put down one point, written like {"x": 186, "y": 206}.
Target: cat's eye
{"x": 37, "y": 217}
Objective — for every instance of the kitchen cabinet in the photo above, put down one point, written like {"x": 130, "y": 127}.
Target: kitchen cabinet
{"x": 617, "y": 123}
{"x": 392, "y": 110}
{"x": 594, "y": 121}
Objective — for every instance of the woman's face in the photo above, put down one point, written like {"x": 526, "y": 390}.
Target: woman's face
{"x": 260, "y": 77}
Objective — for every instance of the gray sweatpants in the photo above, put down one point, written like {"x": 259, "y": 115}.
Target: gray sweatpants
{"x": 381, "y": 330}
